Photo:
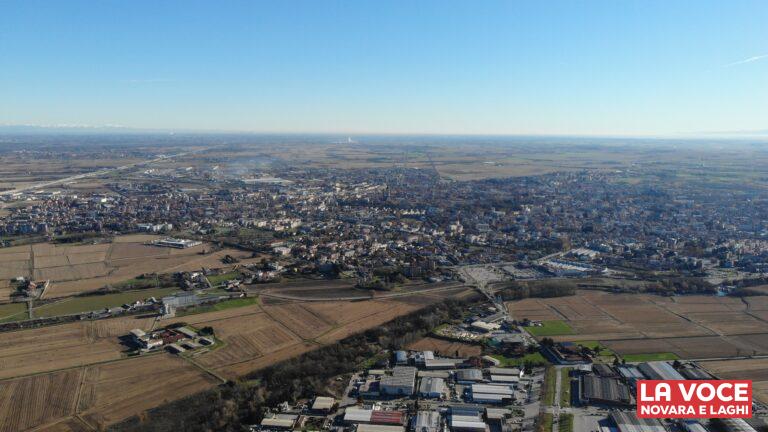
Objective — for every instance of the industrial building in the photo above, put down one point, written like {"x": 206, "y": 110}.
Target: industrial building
{"x": 692, "y": 372}
{"x": 181, "y": 300}
{"x": 432, "y": 388}
{"x": 379, "y": 428}
{"x": 605, "y": 371}
{"x": 505, "y": 379}
{"x": 442, "y": 363}
{"x": 280, "y": 421}
{"x": 505, "y": 371}
{"x": 402, "y": 382}
{"x": 630, "y": 372}
{"x": 323, "y": 404}
{"x": 659, "y": 370}
{"x": 176, "y": 243}
{"x": 600, "y": 390}
{"x": 427, "y": 421}
{"x": 491, "y": 393}
{"x": 735, "y": 425}
{"x": 627, "y": 421}
{"x": 496, "y": 414}
{"x": 467, "y": 420}
{"x": 356, "y": 415}
{"x": 469, "y": 376}
{"x": 694, "y": 426}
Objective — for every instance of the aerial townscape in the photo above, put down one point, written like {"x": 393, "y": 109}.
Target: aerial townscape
{"x": 384, "y": 216}
{"x": 390, "y": 284}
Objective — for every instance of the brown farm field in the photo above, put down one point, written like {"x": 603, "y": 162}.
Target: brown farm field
{"x": 36, "y": 400}
{"x": 692, "y": 327}
{"x": 114, "y": 391}
{"x": 74, "y": 269}
{"x": 98, "y": 385}
{"x": 745, "y": 369}
{"x": 52, "y": 348}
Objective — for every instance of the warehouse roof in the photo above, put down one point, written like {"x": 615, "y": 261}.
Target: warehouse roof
{"x": 285, "y": 421}
{"x": 467, "y": 422}
{"x": 505, "y": 378}
{"x": 323, "y": 403}
{"x": 492, "y": 389}
{"x": 736, "y": 425}
{"x": 659, "y": 370}
{"x": 493, "y": 397}
{"x": 627, "y": 421}
{"x": 387, "y": 417}
{"x": 379, "y": 428}
{"x": 504, "y": 371}
{"x": 605, "y": 389}
{"x": 469, "y": 375}
{"x": 629, "y": 372}
{"x": 431, "y": 385}
{"x": 426, "y": 421}
{"x": 441, "y": 363}
{"x": 401, "y": 376}
{"x": 355, "y": 414}
{"x": 496, "y": 413}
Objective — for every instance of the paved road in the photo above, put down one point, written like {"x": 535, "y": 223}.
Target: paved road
{"x": 481, "y": 281}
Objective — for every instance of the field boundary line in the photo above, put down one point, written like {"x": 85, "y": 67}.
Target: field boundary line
{"x": 80, "y": 366}
{"x": 204, "y": 369}
{"x": 285, "y": 327}
{"x": 85, "y": 423}
{"x": 702, "y": 326}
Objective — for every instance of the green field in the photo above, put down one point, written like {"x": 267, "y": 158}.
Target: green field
{"x": 221, "y": 278}
{"x": 551, "y": 328}
{"x": 565, "y": 387}
{"x": 632, "y": 358}
{"x": 226, "y": 304}
{"x": 13, "y": 312}
{"x": 535, "y": 358}
{"x": 544, "y": 422}
{"x": 550, "y": 386}
{"x": 75, "y": 305}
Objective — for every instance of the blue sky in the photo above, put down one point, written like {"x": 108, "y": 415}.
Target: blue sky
{"x": 468, "y": 67}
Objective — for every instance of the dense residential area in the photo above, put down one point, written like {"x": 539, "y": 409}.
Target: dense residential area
{"x": 262, "y": 292}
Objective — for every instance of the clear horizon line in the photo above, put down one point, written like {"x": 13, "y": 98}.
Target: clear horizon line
{"x": 113, "y": 128}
